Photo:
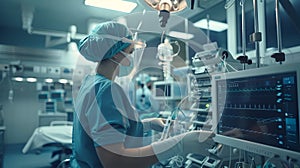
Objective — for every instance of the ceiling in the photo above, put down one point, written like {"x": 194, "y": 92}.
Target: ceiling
{"x": 27, "y": 25}
{"x": 27, "y": 22}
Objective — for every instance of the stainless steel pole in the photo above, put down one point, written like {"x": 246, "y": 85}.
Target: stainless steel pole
{"x": 256, "y": 30}
{"x": 242, "y": 3}
{"x": 278, "y": 26}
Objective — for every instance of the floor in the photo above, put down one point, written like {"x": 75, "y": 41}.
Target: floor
{"x": 14, "y": 158}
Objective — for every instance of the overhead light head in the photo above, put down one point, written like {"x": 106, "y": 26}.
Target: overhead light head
{"x": 31, "y": 80}
{"x": 168, "y": 5}
{"x": 165, "y": 7}
{"x": 19, "y": 79}
{"x": 63, "y": 81}
{"x": 48, "y": 80}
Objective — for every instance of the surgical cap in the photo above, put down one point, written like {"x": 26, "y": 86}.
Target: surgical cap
{"x": 143, "y": 79}
{"x": 98, "y": 46}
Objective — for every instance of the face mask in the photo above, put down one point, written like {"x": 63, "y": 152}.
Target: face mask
{"x": 125, "y": 70}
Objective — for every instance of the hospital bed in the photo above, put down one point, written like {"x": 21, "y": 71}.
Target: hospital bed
{"x": 57, "y": 134}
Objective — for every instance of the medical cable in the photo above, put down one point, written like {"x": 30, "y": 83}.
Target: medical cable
{"x": 240, "y": 156}
{"x": 162, "y": 37}
{"x": 284, "y": 165}
{"x": 252, "y": 162}
{"x": 176, "y": 161}
{"x": 268, "y": 161}
{"x": 167, "y": 126}
{"x": 290, "y": 163}
{"x": 229, "y": 164}
{"x": 166, "y": 129}
{"x": 228, "y": 65}
{"x": 170, "y": 118}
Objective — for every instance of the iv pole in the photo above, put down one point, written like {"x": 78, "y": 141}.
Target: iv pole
{"x": 256, "y": 36}
{"x": 280, "y": 56}
{"x": 244, "y": 58}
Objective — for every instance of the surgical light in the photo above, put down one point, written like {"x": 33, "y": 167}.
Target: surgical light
{"x": 165, "y": 7}
{"x": 19, "y": 79}
{"x": 63, "y": 81}
{"x": 168, "y": 5}
{"x": 211, "y": 25}
{"x": 48, "y": 80}
{"x": 31, "y": 79}
{"x": 117, "y": 5}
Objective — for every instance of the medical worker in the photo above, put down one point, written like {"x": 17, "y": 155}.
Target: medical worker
{"x": 145, "y": 103}
{"x": 107, "y": 131}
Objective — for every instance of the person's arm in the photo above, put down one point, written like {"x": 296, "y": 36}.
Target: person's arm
{"x": 156, "y": 124}
{"x": 116, "y": 155}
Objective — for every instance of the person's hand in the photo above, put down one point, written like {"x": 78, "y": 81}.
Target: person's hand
{"x": 156, "y": 124}
{"x": 236, "y": 133}
{"x": 191, "y": 142}
{"x": 198, "y": 142}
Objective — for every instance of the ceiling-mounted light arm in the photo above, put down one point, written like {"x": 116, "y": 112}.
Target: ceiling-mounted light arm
{"x": 64, "y": 37}
{"x": 54, "y": 42}
{"x": 27, "y": 16}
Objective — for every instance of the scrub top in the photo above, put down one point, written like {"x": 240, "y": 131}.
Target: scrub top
{"x": 103, "y": 116}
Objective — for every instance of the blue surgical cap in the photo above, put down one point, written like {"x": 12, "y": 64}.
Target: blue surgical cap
{"x": 143, "y": 79}
{"x": 98, "y": 46}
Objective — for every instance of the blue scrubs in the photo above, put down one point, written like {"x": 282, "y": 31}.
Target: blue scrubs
{"x": 104, "y": 116}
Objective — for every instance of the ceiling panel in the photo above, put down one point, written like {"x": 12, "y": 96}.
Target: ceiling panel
{"x": 59, "y": 15}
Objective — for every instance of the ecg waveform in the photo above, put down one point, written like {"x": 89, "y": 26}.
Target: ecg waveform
{"x": 265, "y": 107}
{"x": 244, "y": 131}
{"x": 253, "y": 90}
{"x": 260, "y": 109}
{"x": 259, "y": 120}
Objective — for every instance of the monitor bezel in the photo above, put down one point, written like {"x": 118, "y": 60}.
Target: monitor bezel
{"x": 254, "y": 147}
{"x": 172, "y": 91}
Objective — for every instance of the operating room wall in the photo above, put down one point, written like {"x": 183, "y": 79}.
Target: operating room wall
{"x": 20, "y": 114}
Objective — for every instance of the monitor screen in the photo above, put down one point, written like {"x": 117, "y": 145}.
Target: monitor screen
{"x": 50, "y": 103}
{"x": 258, "y": 110}
{"x": 168, "y": 90}
{"x": 43, "y": 96}
{"x": 50, "y": 106}
{"x": 68, "y": 102}
{"x": 57, "y": 95}
{"x": 163, "y": 90}
{"x": 45, "y": 88}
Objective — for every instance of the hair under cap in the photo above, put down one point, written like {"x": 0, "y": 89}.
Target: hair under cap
{"x": 98, "y": 46}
